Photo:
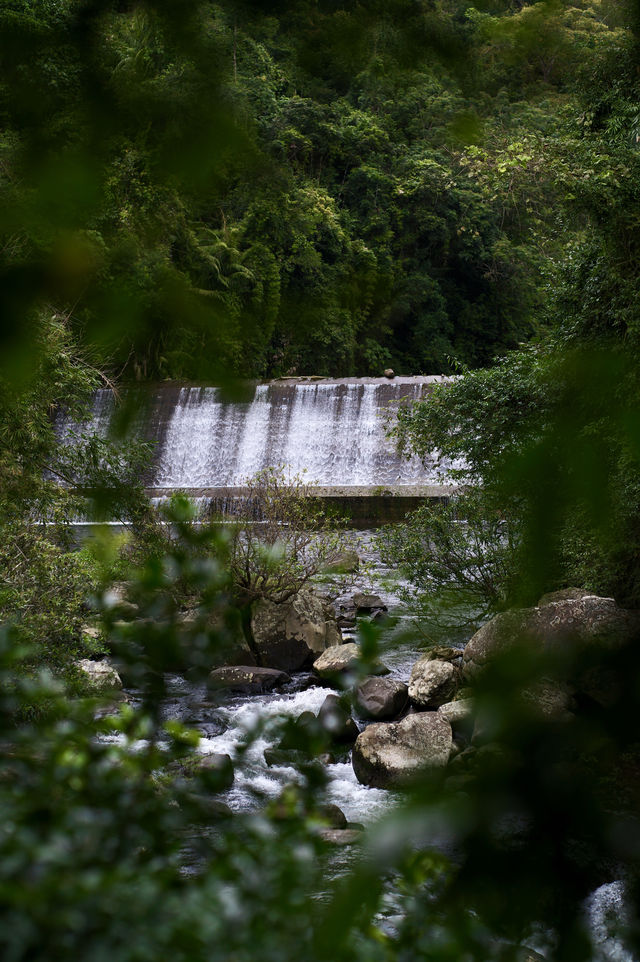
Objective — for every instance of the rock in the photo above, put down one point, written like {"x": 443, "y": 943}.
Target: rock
{"x": 291, "y": 634}
{"x": 433, "y": 683}
{"x": 565, "y": 594}
{"x": 491, "y": 639}
{"x": 220, "y": 767}
{"x": 574, "y": 624}
{"x": 550, "y": 699}
{"x": 333, "y": 815}
{"x": 231, "y": 647}
{"x": 458, "y": 713}
{"x": 347, "y": 616}
{"x": 390, "y": 755}
{"x": 344, "y": 562}
{"x": 336, "y": 661}
{"x": 443, "y": 653}
{"x": 388, "y": 372}
{"x": 336, "y": 720}
{"x": 214, "y": 808}
{"x": 90, "y": 635}
{"x": 285, "y": 757}
{"x": 99, "y": 676}
{"x": 117, "y": 598}
{"x": 366, "y": 604}
{"x": 341, "y": 659}
{"x": 381, "y": 698}
{"x": 216, "y": 767}
{"x": 247, "y": 679}
{"x": 340, "y": 836}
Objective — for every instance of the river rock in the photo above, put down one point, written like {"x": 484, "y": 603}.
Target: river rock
{"x": 333, "y": 815}
{"x": 341, "y": 659}
{"x": 381, "y": 698}
{"x": 459, "y": 714}
{"x": 231, "y": 647}
{"x": 216, "y": 767}
{"x": 551, "y": 699}
{"x": 365, "y": 604}
{"x": 433, "y": 683}
{"x": 578, "y": 622}
{"x": 390, "y": 755}
{"x": 443, "y": 653}
{"x": 285, "y": 757}
{"x": 565, "y": 594}
{"x": 336, "y": 720}
{"x": 117, "y": 599}
{"x": 336, "y": 661}
{"x": 340, "y": 836}
{"x": 247, "y": 679}
{"x": 291, "y": 634}
{"x": 99, "y": 676}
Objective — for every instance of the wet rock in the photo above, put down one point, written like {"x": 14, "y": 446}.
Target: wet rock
{"x": 216, "y": 768}
{"x": 365, "y": 604}
{"x": 216, "y": 809}
{"x": 99, "y": 676}
{"x": 340, "y": 836}
{"x": 336, "y": 720}
{"x": 291, "y": 634}
{"x": 333, "y": 815}
{"x": 247, "y": 679}
{"x": 381, "y": 698}
{"x": 433, "y": 683}
{"x": 389, "y": 373}
{"x": 390, "y": 755}
{"x": 347, "y": 616}
{"x": 285, "y": 757}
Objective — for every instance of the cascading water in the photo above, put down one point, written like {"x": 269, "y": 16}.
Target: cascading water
{"x": 333, "y": 432}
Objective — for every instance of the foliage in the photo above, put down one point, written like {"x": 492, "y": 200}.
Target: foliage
{"x": 367, "y": 198}
{"x": 458, "y": 557}
{"x": 280, "y": 539}
{"x": 209, "y": 190}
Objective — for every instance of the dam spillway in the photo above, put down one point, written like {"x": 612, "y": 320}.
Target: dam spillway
{"x": 330, "y": 432}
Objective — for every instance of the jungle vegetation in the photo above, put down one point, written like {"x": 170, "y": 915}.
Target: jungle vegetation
{"x": 219, "y": 191}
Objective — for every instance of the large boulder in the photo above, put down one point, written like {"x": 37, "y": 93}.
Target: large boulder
{"x": 336, "y": 720}
{"x": 340, "y": 660}
{"x": 577, "y": 625}
{"x": 391, "y": 755}
{"x": 290, "y": 635}
{"x": 247, "y": 679}
{"x": 433, "y": 682}
{"x": 99, "y": 676}
{"x": 337, "y": 660}
{"x": 381, "y": 698}
{"x": 366, "y": 604}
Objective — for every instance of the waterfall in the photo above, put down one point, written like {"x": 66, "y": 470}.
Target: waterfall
{"x": 332, "y": 432}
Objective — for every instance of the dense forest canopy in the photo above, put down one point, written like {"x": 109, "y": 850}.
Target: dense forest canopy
{"x": 261, "y": 190}
{"x": 244, "y": 190}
